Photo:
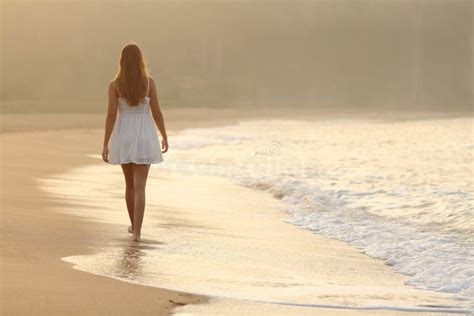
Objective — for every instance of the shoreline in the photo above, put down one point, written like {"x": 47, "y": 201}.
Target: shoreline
{"x": 178, "y": 119}
{"x": 33, "y": 280}
{"x": 35, "y": 236}
{"x": 201, "y": 246}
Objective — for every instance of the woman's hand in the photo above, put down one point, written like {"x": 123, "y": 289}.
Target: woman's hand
{"x": 105, "y": 153}
{"x": 164, "y": 145}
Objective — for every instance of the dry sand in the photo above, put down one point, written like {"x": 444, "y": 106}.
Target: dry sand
{"x": 33, "y": 237}
{"x": 34, "y": 279}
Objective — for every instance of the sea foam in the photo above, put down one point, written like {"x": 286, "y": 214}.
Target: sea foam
{"x": 400, "y": 191}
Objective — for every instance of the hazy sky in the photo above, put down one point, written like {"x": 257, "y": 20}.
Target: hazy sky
{"x": 367, "y": 54}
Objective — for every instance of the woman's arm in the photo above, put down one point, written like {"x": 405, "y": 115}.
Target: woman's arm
{"x": 158, "y": 115}
{"x": 110, "y": 119}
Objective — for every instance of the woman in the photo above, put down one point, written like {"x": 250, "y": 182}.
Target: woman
{"x": 134, "y": 143}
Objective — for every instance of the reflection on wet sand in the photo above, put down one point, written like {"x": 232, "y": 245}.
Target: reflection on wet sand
{"x": 129, "y": 263}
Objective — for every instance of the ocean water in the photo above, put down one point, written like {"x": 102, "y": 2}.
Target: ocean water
{"x": 398, "y": 190}
{"x": 401, "y": 191}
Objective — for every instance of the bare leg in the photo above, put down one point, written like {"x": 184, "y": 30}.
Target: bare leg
{"x": 140, "y": 176}
{"x": 129, "y": 191}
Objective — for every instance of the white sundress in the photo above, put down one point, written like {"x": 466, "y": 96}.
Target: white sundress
{"x": 134, "y": 137}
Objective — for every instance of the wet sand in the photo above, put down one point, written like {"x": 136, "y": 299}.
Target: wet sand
{"x": 35, "y": 236}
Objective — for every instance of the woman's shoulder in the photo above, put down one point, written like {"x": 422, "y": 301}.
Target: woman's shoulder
{"x": 113, "y": 83}
{"x": 152, "y": 82}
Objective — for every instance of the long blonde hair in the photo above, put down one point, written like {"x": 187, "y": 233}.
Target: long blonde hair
{"x": 132, "y": 75}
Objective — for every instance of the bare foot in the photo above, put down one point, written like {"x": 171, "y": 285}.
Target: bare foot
{"x": 130, "y": 229}
{"x": 136, "y": 238}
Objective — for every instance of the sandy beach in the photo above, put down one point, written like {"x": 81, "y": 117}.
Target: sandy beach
{"x": 320, "y": 157}
{"x": 34, "y": 238}
{"x": 250, "y": 233}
